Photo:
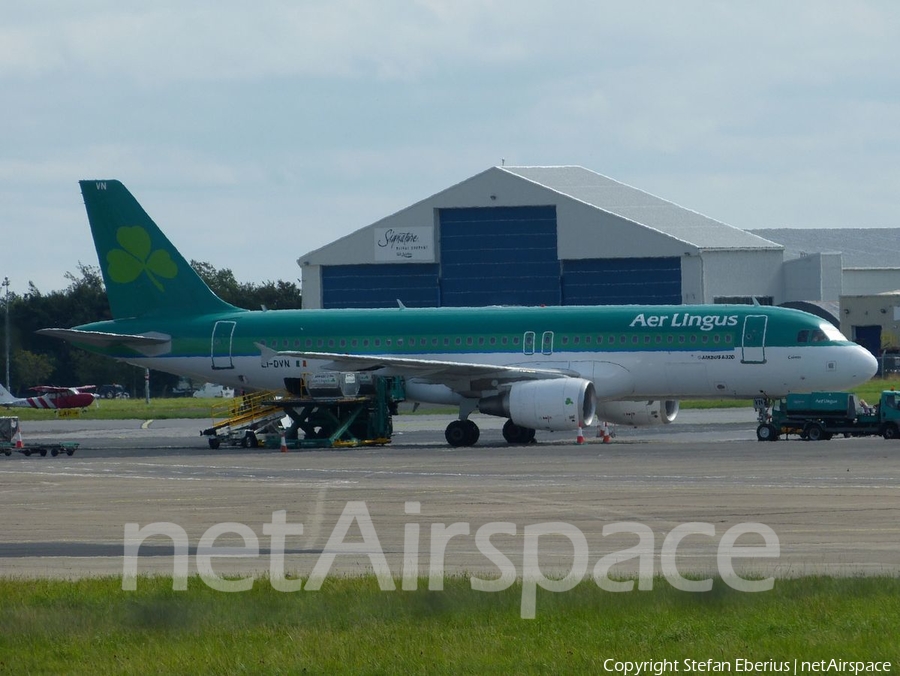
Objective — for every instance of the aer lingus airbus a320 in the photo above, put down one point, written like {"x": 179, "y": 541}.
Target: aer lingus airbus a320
{"x": 547, "y": 368}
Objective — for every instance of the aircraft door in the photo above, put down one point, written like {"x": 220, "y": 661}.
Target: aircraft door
{"x": 220, "y": 351}
{"x": 753, "y": 343}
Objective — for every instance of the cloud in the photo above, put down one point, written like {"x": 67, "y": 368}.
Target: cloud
{"x": 298, "y": 114}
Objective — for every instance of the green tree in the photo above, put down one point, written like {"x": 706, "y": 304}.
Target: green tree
{"x": 83, "y": 301}
{"x": 273, "y": 295}
{"x": 30, "y": 369}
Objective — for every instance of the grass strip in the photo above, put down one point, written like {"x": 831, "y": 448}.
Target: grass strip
{"x": 350, "y": 626}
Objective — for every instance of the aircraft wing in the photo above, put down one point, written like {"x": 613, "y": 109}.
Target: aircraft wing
{"x": 81, "y": 389}
{"x": 424, "y": 369}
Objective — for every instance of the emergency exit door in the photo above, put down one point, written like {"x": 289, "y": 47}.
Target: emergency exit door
{"x": 222, "y": 335}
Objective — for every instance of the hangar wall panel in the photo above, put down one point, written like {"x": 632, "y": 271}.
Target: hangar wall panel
{"x": 864, "y": 282}
{"x": 813, "y": 277}
{"x": 311, "y": 286}
{"x": 622, "y": 281}
{"x": 368, "y": 286}
{"x": 588, "y": 232}
{"x": 692, "y": 280}
{"x": 742, "y": 273}
{"x": 499, "y": 256}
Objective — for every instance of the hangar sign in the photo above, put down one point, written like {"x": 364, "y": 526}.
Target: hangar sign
{"x": 398, "y": 244}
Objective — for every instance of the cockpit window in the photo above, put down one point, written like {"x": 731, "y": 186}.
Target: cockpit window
{"x": 825, "y": 333}
{"x": 831, "y": 332}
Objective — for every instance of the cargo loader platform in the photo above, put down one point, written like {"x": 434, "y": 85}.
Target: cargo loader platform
{"x": 333, "y": 411}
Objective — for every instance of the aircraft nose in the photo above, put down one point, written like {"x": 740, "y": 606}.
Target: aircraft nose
{"x": 864, "y": 364}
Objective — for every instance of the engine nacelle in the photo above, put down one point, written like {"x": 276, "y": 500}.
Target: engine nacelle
{"x": 556, "y": 405}
{"x": 638, "y": 413}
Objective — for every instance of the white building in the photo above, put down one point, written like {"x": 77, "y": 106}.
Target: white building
{"x": 567, "y": 236}
{"x": 544, "y": 235}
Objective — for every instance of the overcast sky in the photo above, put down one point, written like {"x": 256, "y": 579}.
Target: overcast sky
{"x": 256, "y": 132}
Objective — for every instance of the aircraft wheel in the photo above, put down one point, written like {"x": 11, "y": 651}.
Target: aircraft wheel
{"x": 815, "y": 432}
{"x": 890, "y": 431}
{"x": 472, "y": 432}
{"x": 457, "y": 433}
{"x": 516, "y": 434}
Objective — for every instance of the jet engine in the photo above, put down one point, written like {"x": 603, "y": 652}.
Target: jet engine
{"x": 558, "y": 404}
{"x": 638, "y": 413}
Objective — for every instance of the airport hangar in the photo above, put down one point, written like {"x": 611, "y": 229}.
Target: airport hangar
{"x": 859, "y": 268}
{"x": 566, "y": 235}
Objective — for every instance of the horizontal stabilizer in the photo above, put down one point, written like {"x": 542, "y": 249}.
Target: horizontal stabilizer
{"x": 6, "y": 397}
{"x": 149, "y": 344}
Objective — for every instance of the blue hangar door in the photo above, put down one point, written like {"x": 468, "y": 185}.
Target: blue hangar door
{"x": 622, "y": 281}
{"x": 381, "y": 285}
{"x": 499, "y": 256}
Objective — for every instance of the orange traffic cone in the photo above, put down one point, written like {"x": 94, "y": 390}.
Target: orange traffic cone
{"x": 17, "y": 438}
{"x": 580, "y": 438}
{"x": 283, "y": 444}
{"x": 605, "y": 429}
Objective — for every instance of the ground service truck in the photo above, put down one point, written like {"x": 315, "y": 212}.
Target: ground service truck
{"x": 820, "y": 415}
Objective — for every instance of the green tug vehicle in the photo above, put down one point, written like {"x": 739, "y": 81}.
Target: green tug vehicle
{"x": 818, "y": 416}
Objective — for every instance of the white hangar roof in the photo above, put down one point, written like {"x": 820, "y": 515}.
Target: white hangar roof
{"x": 859, "y": 247}
{"x": 641, "y": 207}
{"x": 653, "y": 214}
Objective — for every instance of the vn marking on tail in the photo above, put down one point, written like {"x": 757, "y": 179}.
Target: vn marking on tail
{"x": 135, "y": 257}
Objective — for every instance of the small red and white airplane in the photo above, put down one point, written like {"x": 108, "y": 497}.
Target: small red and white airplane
{"x": 51, "y": 397}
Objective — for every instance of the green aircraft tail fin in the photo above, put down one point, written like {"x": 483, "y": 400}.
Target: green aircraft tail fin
{"x": 143, "y": 272}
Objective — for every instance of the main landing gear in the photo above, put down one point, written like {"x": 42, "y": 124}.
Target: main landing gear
{"x": 466, "y": 433}
{"x": 462, "y": 433}
{"x": 516, "y": 434}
